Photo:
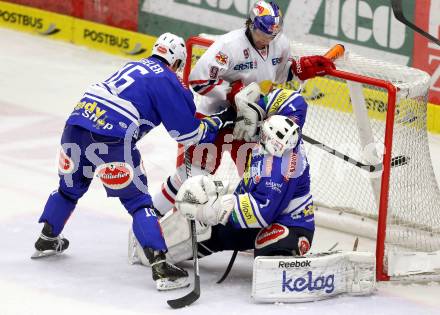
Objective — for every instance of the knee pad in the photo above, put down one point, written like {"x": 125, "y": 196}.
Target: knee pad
{"x": 57, "y": 211}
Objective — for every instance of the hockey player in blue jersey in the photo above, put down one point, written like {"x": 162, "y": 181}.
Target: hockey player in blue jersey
{"x": 272, "y": 209}
{"x": 99, "y": 139}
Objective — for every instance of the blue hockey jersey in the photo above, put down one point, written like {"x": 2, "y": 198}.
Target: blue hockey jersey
{"x": 137, "y": 98}
{"x": 276, "y": 189}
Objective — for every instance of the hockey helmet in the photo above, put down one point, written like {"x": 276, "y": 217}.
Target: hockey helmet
{"x": 171, "y": 48}
{"x": 279, "y": 134}
{"x": 266, "y": 17}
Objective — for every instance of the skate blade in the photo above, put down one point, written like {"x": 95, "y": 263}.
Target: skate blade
{"x": 166, "y": 285}
{"x": 42, "y": 254}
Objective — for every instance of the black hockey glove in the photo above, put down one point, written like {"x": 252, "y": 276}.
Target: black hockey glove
{"x": 224, "y": 119}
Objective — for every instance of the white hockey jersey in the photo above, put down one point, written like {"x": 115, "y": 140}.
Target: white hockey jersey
{"x": 232, "y": 57}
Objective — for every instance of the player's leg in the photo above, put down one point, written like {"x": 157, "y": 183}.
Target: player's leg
{"x": 279, "y": 240}
{"x": 226, "y": 237}
{"x": 73, "y": 183}
{"x": 127, "y": 181}
{"x": 205, "y": 159}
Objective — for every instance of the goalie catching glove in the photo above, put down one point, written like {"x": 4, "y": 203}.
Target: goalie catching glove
{"x": 309, "y": 67}
{"x": 202, "y": 199}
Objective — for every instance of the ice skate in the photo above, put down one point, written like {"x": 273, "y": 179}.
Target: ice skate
{"x": 48, "y": 245}
{"x": 166, "y": 275}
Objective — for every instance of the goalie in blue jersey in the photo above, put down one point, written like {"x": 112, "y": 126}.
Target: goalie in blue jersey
{"x": 271, "y": 210}
{"x": 99, "y": 139}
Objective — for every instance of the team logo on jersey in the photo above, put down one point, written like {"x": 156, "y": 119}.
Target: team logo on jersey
{"x": 213, "y": 72}
{"x": 246, "y": 53}
{"x": 221, "y": 58}
{"x": 271, "y": 234}
{"x": 65, "y": 163}
{"x": 274, "y": 186}
{"x": 115, "y": 175}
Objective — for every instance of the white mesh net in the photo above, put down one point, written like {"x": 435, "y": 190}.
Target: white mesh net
{"x": 350, "y": 118}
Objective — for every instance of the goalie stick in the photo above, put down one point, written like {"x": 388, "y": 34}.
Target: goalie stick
{"x": 398, "y": 13}
{"x": 192, "y": 296}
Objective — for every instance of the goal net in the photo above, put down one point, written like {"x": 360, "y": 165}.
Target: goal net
{"x": 371, "y": 171}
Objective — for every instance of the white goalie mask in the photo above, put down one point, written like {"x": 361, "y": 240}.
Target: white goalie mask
{"x": 171, "y": 48}
{"x": 278, "y": 134}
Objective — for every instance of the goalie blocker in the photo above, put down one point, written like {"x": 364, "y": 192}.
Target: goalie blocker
{"x": 313, "y": 277}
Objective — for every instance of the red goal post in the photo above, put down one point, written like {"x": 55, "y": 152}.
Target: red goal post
{"x": 382, "y": 124}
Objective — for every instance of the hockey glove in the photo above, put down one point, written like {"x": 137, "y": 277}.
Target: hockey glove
{"x": 311, "y": 66}
{"x": 220, "y": 120}
{"x": 249, "y": 113}
{"x": 201, "y": 199}
{"x": 236, "y": 87}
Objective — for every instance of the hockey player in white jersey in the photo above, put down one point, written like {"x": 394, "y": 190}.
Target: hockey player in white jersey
{"x": 260, "y": 53}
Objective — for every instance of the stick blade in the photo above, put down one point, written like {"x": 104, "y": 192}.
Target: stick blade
{"x": 188, "y": 299}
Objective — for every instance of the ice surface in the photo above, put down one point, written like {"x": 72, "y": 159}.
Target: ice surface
{"x": 40, "y": 82}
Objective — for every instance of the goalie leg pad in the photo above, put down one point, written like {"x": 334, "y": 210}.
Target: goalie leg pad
{"x": 177, "y": 233}
{"x": 313, "y": 277}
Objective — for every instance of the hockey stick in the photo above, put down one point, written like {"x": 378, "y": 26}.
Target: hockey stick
{"x": 395, "y": 161}
{"x": 398, "y": 13}
{"x": 192, "y": 296}
{"x": 229, "y": 267}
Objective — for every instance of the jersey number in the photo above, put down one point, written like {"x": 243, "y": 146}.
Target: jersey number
{"x": 122, "y": 79}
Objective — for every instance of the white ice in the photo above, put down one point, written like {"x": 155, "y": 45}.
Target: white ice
{"x": 40, "y": 82}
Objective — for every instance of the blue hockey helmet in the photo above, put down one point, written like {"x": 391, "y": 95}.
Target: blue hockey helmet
{"x": 266, "y": 17}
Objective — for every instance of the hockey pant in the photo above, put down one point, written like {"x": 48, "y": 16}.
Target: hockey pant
{"x": 85, "y": 154}
{"x": 273, "y": 240}
{"x": 205, "y": 159}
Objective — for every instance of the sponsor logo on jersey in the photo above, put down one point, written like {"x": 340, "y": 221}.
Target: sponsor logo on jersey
{"x": 271, "y": 234}
{"x": 291, "y": 166}
{"x": 276, "y": 61}
{"x": 303, "y": 245}
{"x": 309, "y": 210}
{"x": 115, "y": 175}
{"x": 309, "y": 283}
{"x": 213, "y": 72}
{"x": 246, "y": 53}
{"x": 279, "y": 100}
{"x": 65, "y": 163}
{"x": 105, "y": 38}
{"x": 274, "y": 186}
{"x": 246, "y": 210}
{"x": 245, "y": 66}
{"x": 221, "y": 58}
{"x": 94, "y": 113}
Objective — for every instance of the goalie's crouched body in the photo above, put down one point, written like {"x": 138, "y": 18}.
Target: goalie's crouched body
{"x": 271, "y": 209}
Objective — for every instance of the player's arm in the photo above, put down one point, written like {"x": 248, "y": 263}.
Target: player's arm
{"x": 258, "y": 207}
{"x": 176, "y": 111}
{"x": 207, "y": 76}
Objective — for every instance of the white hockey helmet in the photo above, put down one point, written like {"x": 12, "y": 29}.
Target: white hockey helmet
{"x": 171, "y": 48}
{"x": 279, "y": 134}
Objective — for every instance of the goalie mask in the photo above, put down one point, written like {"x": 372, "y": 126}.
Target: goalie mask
{"x": 279, "y": 134}
{"x": 171, "y": 48}
{"x": 266, "y": 18}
